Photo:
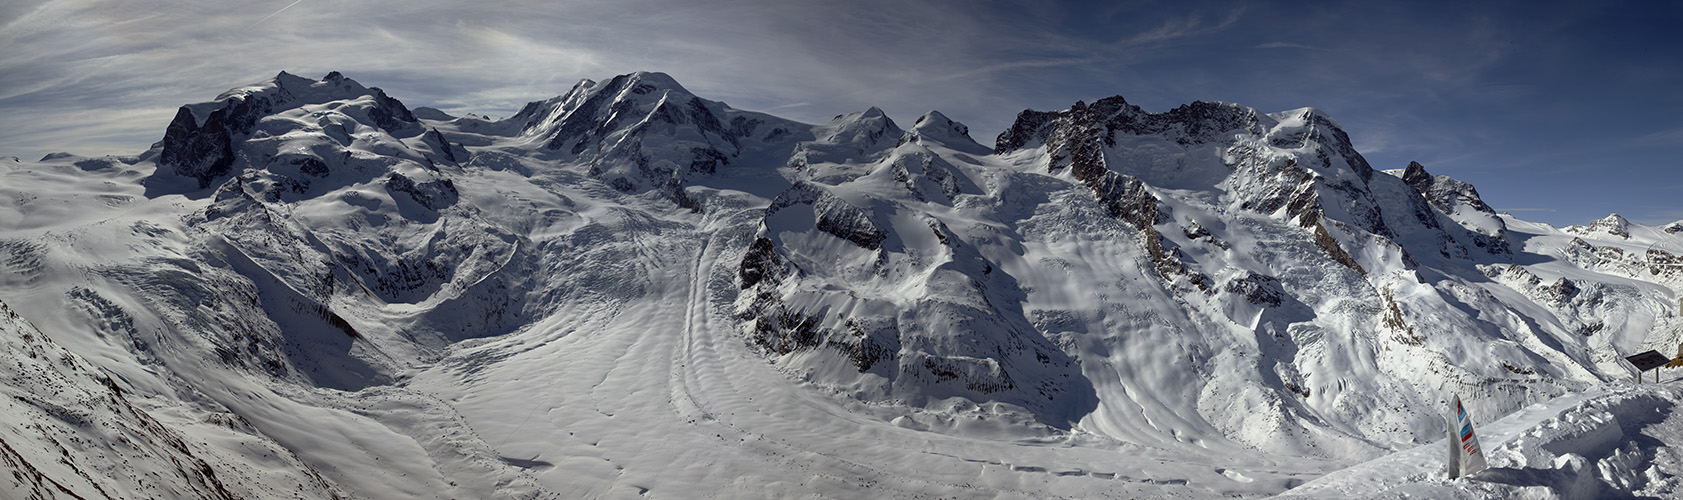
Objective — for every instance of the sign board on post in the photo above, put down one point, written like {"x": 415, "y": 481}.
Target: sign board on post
{"x": 1465, "y": 457}
{"x": 1647, "y": 361}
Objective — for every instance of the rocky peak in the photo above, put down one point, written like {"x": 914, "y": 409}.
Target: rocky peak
{"x": 1612, "y": 224}
{"x": 1196, "y": 123}
{"x": 591, "y": 112}
{"x": 1297, "y": 160}
{"x": 833, "y": 215}
{"x": 1202, "y": 122}
{"x": 1415, "y": 175}
{"x": 637, "y": 132}
{"x": 1446, "y": 193}
{"x": 201, "y": 141}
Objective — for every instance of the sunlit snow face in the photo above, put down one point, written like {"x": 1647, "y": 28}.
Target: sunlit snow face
{"x": 702, "y": 298}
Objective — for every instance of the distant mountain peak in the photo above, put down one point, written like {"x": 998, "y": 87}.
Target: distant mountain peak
{"x": 200, "y": 143}
{"x": 1224, "y": 287}
{"x": 1613, "y": 224}
{"x": 656, "y": 80}
{"x": 867, "y": 128}
{"x": 934, "y": 126}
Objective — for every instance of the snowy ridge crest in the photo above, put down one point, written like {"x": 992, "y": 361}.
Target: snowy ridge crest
{"x": 649, "y": 292}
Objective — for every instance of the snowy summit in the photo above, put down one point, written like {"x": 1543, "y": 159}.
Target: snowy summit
{"x": 308, "y": 289}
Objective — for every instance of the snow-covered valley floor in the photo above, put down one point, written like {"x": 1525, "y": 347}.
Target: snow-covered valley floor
{"x": 664, "y": 402}
{"x": 308, "y": 290}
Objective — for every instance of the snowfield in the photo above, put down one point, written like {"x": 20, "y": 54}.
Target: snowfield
{"x": 307, "y": 289}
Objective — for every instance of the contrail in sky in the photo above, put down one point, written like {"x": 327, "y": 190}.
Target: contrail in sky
{"x": 266, "y": 18}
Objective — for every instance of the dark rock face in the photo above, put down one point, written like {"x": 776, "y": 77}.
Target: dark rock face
{"x": 835, "y": 216}
{"x": 207, "y": 151}
{"x": 1199, "y": 122}
{"x": 1126, "y": 198}
{"x": 1449, "y": 196}
{"x": 866, "y": 342}
{"x": 847, "y": 222}
{"x": 1415, "y": 176}
{"x": 203, "y": 153}
{"x": 1441, "y": 191}
{"x": 760, "y": 264}
{"x": 1258, "y": 289}
{"x": 1076, "y": 139}
{"x": 1560, "y": 291}
{"x": 707, "y": 160}
{"x": 1030, "y": 127}
{"x": 783, "y": 332}
{"x": 438, "y": 142}
{"x": 1289, "y": 186}
{"x": 579, "y": 128}
{"x": 929, "y": 177}
{"x": 1613, "y": 225}
{"x": 389, "y": 113}
{"x": 1327, "y": 134}
{"x": 1196, "y": 123}
{"x": 870, "y": 343}
{"x": 435, "y": 195}
{"x": 311, "y": 166}
{"x": 977, "y": 375}
{"x": 1328, "y": 244}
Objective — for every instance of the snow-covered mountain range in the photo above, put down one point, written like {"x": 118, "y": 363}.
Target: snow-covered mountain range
{"x": 307, "y": 289}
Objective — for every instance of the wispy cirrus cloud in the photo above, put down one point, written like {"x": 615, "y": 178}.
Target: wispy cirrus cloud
{"x": 1286, "y": 45}
{"x": 1487, "y": 93}
{"x": 1663, "y": 138}
{"x": 1191, "y": 25}
{"x": 124, "y": 57}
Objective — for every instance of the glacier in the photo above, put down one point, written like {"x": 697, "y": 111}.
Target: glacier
{"x": 308, "y": 289}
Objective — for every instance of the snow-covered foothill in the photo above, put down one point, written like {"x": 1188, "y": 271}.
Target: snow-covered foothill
{"x": 631, "y": 290}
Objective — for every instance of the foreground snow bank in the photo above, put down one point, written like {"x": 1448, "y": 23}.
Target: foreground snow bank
{"x": 1608, "y": 442}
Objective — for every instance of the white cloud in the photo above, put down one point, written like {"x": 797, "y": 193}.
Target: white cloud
{"x": 104, "y": 76}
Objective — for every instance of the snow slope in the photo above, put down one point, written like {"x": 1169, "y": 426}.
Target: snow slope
{"x": 629, "y": 290}
{"x": 1608, "y": 442}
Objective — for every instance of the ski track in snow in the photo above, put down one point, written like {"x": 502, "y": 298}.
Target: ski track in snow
{"x": 364, "y": 311}
{"x": 664, "y": 402}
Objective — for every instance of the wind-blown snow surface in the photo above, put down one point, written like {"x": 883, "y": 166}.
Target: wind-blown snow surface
{"x": 313, "y": 290}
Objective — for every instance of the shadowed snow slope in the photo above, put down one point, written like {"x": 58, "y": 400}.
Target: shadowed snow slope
{"x": 307, "y": 289}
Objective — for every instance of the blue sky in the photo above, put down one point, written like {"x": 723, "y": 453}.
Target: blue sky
{"x": 1561, "y": 112}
